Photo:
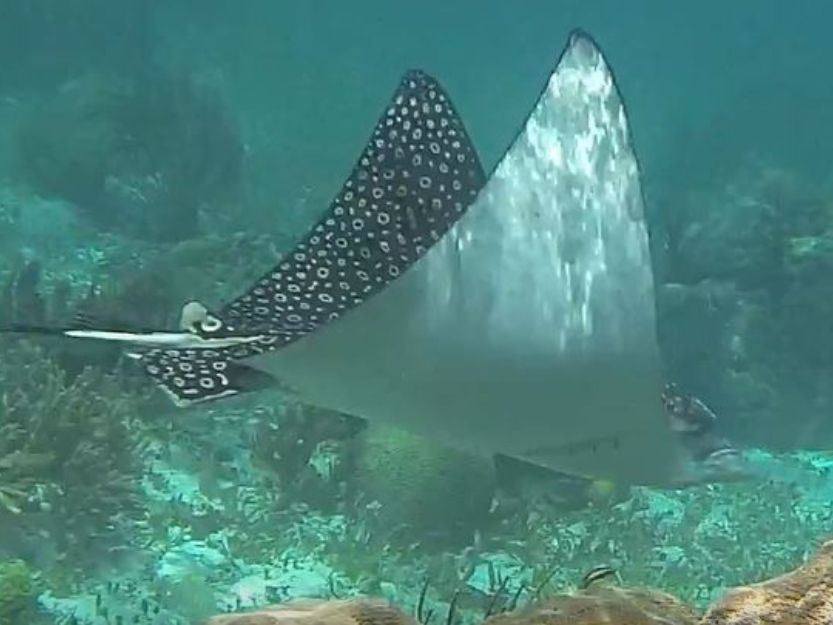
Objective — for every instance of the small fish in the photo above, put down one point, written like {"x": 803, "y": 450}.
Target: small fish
{"x": 711, "y": 457}
{"x": 598, "y": 574}
{"x": 687, "y": 414}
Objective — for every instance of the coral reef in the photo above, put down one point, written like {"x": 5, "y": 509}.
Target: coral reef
{"x": 740, "y": 264}
{"x": 134, "y": 600}
{"x": 125, "y": 291}
{"x": 429, "y": 492}
{"x": 303, "y": 452}
{"x": 304, "y": 508}
{"x": 263, "y": 500}
{"x": 141, "y": 156}
{"x": 135, "y": 298}
{"x": 802, "y": 597}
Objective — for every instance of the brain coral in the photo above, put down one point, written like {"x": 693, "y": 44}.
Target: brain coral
{"x": 433, "y": 490}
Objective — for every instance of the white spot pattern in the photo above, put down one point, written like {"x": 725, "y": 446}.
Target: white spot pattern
{"x": 415, "y": 178}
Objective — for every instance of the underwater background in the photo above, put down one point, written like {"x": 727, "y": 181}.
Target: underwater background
{"x": 153, "y": 152}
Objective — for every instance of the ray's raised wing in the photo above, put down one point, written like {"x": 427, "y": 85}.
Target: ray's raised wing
{"x": 415, "y": 178}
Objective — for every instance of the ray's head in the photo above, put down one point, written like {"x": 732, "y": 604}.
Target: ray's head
{"x": 196, "y": 319}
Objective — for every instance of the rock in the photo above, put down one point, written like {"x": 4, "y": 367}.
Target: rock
{"x": 802, "y": 597}
{"x": 603, "y": 604}
{"x": 321, "y": 612}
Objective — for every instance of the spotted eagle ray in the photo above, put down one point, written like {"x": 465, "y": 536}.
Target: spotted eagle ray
{"x": 511, "y": 315}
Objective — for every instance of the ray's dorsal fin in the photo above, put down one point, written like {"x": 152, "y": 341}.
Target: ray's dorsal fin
{"x": 415, "y": 178}
{"x": 417, "y": 175}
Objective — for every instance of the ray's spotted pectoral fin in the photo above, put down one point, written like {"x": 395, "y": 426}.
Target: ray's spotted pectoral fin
{"x": 416, "y": 176}
{"x": 414, "y": 179}
{"x": 195, "y": 376}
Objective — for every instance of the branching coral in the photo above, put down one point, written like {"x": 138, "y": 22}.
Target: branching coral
{"x": 17, "y": 592}
{"x": 68, "y": 456}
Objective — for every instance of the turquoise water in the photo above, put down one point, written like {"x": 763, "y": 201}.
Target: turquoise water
{"x": 158, "y": 152}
